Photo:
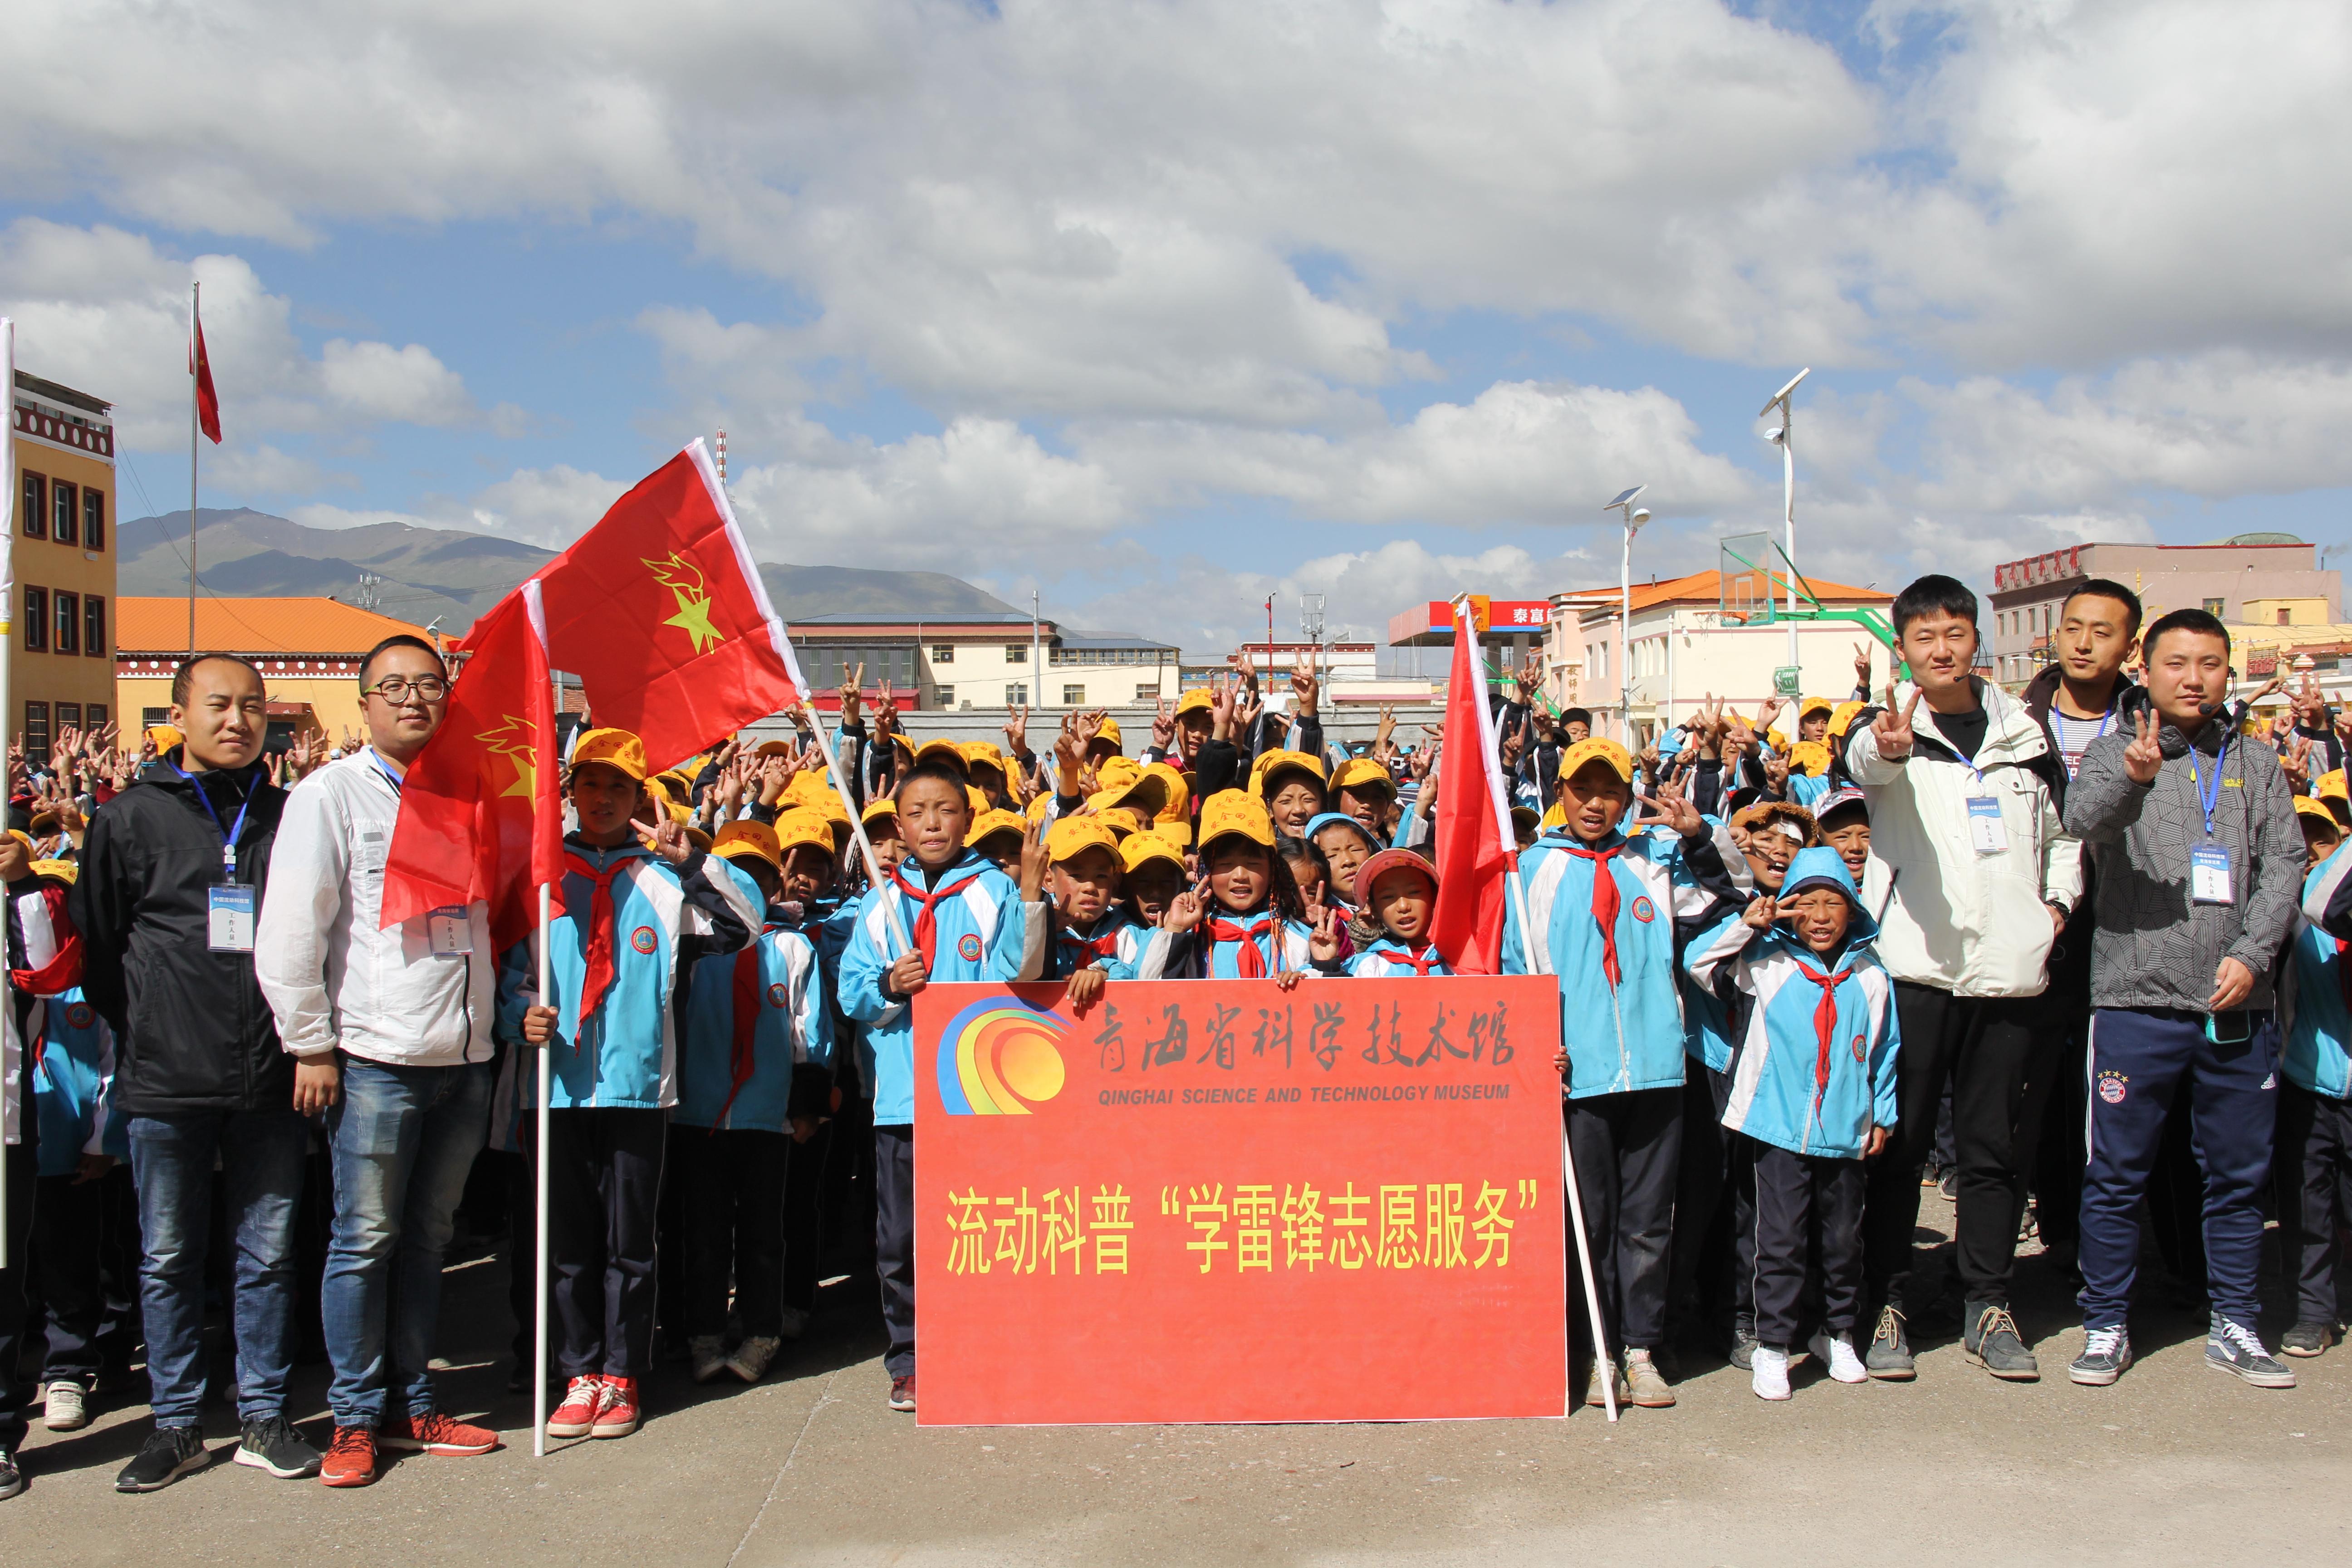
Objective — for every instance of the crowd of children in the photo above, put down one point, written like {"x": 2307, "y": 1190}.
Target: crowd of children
{"x": 732, "y": 976}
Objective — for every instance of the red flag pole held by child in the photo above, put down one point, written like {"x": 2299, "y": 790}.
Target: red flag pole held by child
{"x": 1479, "y": 872}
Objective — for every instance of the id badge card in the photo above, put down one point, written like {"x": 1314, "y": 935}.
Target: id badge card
{"x": 1987, "y": 831}
{"x": 229, "y": 917}
{"x": 2209, "y": 876}
{"x": 448, "y": 932}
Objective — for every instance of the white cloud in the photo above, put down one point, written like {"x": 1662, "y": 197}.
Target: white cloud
{"x": 376, "y": 381}
{"x": 552, "y": 506}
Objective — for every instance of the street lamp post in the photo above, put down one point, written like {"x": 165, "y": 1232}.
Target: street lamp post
{"x": 1635, "y": 518}
{"x": 1782, "y": 437}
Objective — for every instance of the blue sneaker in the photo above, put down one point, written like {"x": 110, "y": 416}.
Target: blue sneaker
{"x": 2238, "y": 1351}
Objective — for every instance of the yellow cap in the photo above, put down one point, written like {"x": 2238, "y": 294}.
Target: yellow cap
{"x": 1842, "y": 716}
{"x": 758, "y": 841}
{"x": 877, "y": 809}
{"x": 1813, "y": 705}
{"x": 165, "y": 736}
{"x": 698, "y": 838}
{"x": 1810, "y": 758}
{"x": 2327, "y": 785}
{"x": 796, "y": 828}
{"x": 1228, "y": 812}
{"x": 659, "y": 791}
{"x": 1197, "y": 701}
{"x": 775, "y": 749}
{"x": 1594, "y": 749}
{"x": 1555, "y": 816}
{"x": 65, "y": 871}
{"x": 1777, "y": 740}
{"x": 1273, "y": 763}
{"x": 613, "y": 748}
{"x": 988, "y": 824}
{"x": 1174, "y": 819}
{"x": 1362, "y": 772}
{"x": 984, "y": 755}
{"x": 974, "y": 798}
{"x": 947, "y": 753}
{"x": 1039, "y": 804}
{"x": 1140, "y": 848}
{"x": 2304, "y": 806}
{"x": 1071, "y": 835}
{"x": 808, "y": 789}
{"x": 21, "y": 836}
{"x": 1109, "y": 732}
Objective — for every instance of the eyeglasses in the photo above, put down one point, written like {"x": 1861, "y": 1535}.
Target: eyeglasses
{"x": 396, "y": 689}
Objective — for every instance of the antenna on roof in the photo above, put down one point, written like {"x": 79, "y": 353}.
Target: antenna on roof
{"x": 367, "y": 598}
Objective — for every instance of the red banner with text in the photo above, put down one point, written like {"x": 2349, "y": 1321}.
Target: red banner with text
{"x": 1222, "y": 1201}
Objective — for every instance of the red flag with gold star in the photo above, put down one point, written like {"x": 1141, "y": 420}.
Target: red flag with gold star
{"x": 479, "y": 815}
{"x": 660, "y": 612}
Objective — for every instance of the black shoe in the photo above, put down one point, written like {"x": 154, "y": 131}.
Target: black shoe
{"x": 169, "y": 1453}
{"x": 2309, "y": 1339}
{"x": 12, "y": 1480}
{"x": 272, "y": 1444}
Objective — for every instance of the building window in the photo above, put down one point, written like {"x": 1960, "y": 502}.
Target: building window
{"x": 151, "y": 716}
{"x": 1074, "y": 697}
{"x": 1148, "y": 693}
{"x": 93, "y": 626}
{"x": 37, "y": 621}
{"x": 35, "y": 508}
{"x": 1016, "y": 653}
{"x": 69, "y": 622}
{"x": 66, "y": 506}
{"x": 1017, "y": 694}
{"x": 2283, "y": 620}
{"x": 37, "y": 729}
{"x": 95, "y": 716}
{"x": 69, "y": 717}
{"x": 2214, "y": 608}
{"x": 946, "y": 695}
{"x": 943, "y": 653}
{"x": 93, "y": 520}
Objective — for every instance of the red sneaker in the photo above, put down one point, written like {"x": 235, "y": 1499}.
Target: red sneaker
{"x": 577, "y": 1414}
{"x": 902, "y": 1392}
{"x": 351, "y": 1458}
{"x": 616, "y": 1417}
{"x": 435, "y": 1433}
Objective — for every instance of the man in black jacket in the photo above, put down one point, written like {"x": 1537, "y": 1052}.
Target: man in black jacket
{"x": 172, "y": 874}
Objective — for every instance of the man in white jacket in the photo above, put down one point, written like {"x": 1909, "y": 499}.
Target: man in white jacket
{"x": 391, "y": 1032}
{"x": 1964, "y": 812}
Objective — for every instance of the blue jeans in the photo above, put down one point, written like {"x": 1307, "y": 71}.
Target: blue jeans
{"x": 261, "y": 1155}
{"x": 403, "y": 1139}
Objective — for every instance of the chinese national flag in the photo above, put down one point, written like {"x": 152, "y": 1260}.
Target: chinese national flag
{"x": 201, "y": 367}
{"x": 1475, "y": 843}
{"x": 479, "y": 815}
{"x": 660, "y": 612}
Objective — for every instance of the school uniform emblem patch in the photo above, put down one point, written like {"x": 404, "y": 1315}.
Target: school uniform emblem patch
{"x": 1858, "y": 1052}
{"x": 968, "y": 948}
{"x": 777, "y": 995}
{"x": 643, "y": 940}
{"x": 81, "y": 1014}
{"x": 2111, "y": 1087}
{"x": 1645, "y": 911}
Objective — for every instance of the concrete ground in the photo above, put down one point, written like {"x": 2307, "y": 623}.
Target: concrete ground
{"x": 2176, "y": 1463}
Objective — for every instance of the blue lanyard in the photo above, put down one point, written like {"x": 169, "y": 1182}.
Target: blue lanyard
{"x": 2209, "y": 798}
{"x": 390, "y": 777}
{"x": 228, "y": 837}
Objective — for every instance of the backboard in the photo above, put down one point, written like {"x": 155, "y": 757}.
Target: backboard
{"x": 1743, "y": 564}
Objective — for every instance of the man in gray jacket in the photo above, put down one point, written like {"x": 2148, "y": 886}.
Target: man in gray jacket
{"x": 2199, "y": 863}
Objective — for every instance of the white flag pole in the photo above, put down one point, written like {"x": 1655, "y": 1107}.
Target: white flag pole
{"x": 857, "y": 821}
{"x": 14, "y": 1091}
{"x": 539, "y": 1269}
{"x": 1514, "y": 897}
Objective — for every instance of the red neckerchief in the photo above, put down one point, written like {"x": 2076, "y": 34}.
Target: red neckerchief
{"x": 598, "y": 955}
{"x": 747, "y": 995}
{"x": 1824, "y": 1025}
{"x": 1103, "y": 946}
{"x": 1252, "y": 961}
{"x": 1423, "y": 962}
{"x": 926, "y": 924}
{"x": 1604, "y": 905}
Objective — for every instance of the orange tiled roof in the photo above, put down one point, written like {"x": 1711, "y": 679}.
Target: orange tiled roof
{"x": 251, "y": 627}
{"x": 1706, "y": 587}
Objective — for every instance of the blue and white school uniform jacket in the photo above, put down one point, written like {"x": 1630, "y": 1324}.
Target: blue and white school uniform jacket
{"x": 1806, "y": 790}
{"x": 2312, "y": 1007}
{"x": 1131, "y": 942}
{"x": 73, "y": 1088}
{"x": 665, "y": 919}
{"x": 1786, "y": 1089}
{"x": 984, "y": 933}
{"x": 792, "y": 1036}
{"x": 1389, "y": 959}
{"x": 1282, "y": 944}
{"x": 1631, "y": 1037}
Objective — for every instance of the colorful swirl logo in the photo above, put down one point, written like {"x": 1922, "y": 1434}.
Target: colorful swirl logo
{"x": 999, "y": 1058}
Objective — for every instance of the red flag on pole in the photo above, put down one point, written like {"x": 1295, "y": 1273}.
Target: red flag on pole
{"x": 479, "y": 816}
{"x": 201, "y": 367}
{"x": 660, "y": 612}
{"x": 1476, "y": 850}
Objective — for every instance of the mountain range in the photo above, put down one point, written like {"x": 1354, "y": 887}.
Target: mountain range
{"x": 452, "y": 575}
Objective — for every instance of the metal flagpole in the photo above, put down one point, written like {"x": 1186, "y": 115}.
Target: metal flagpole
{"x": 538, "y": 1272}
{"x": 195, "y": 429}
{"x": 9, "y": 489}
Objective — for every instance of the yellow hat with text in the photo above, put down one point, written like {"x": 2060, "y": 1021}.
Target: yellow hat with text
{"x": 618, "y": 749}
{"x": 1230, "y": 812}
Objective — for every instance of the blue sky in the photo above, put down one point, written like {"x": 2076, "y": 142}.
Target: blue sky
{"x": 1160, "y": 307}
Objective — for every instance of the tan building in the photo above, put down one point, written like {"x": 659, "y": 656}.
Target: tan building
{"x": 307, "y": 650}
{"x": 60, "y": 659}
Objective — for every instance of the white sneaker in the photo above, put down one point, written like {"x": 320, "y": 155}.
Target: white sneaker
{"x": 1844, "y": 1363}
{"x": 794, "y": 1323}
{"x": 708, "y": 1354}
{"x": 1768, "y": 1373}
{"x": 65, "y": 1411}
